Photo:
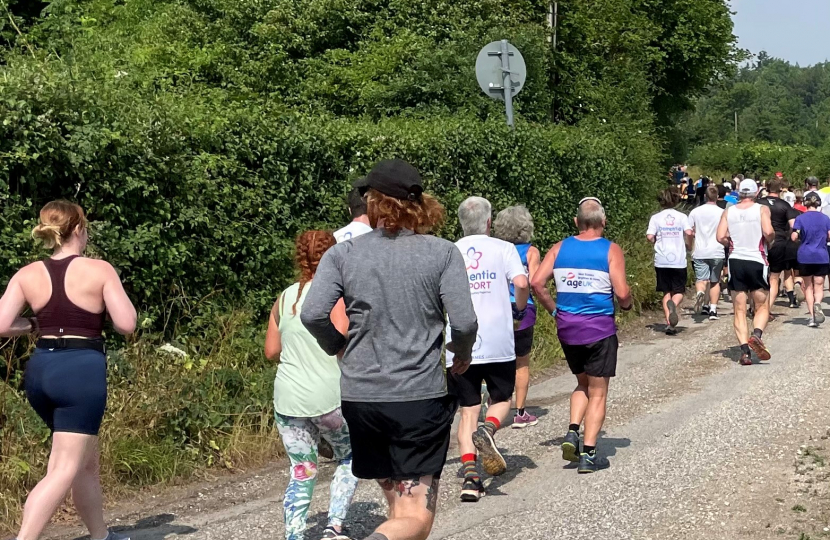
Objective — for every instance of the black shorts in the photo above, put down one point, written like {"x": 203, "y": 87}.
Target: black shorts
{"x": 598, "y": 359}
{"x": 671, "y": 280}
{"x": 500, "y": 378}
{"x": 783, "y": 255}
{"x": 810, "y": 270}
{"x": 67, "y": 388}
{"x": 524, "y": 341}
{"x": 399, "y": 440}
{"x": 747, "y": 276}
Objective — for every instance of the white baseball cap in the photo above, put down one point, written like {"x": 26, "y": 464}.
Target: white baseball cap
{"x": 748, "y": 187}
{"x": 727, "y": 185}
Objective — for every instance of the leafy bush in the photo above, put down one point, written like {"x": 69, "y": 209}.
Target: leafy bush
{"x": 764, "y": 159}
{"x": 205, "y": 199}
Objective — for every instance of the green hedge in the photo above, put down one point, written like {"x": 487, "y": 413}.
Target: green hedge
{"x": 764, "y": 159}
{"x": 196, "y": 196}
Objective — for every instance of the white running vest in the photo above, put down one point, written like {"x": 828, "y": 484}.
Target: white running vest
{"x": 746, "y": 234}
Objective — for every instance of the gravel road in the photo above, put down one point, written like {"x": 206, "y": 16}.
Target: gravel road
{"x": 700, "y": 447}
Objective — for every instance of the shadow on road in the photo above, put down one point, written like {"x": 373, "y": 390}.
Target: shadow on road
{"x": 661, "y": 328}
{"x": 362, "y": 520}
{"x": 152, "y": 528}
{"x": 515, "y": 465}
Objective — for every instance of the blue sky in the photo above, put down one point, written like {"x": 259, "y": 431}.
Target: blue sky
{"x": 794, "y": 30}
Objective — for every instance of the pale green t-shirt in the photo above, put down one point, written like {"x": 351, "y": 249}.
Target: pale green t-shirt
{"x": 308, "y": 380}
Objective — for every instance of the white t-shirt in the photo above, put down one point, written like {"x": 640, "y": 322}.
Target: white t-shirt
{"x": 352, "y": 230}
{"x": 669, "y": 227}
{"x": 491, "y": 265}
{"x": 705, "y": 220}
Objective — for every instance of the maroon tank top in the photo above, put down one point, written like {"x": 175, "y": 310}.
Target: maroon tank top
{"x": 60, "y": 317}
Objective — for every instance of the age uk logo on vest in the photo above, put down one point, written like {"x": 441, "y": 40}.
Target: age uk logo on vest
{"x": 580, "y": 281}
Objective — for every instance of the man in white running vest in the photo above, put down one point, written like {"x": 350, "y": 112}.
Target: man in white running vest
{"x": 746, "y": 229}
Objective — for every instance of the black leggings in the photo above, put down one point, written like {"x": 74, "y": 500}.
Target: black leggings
{"x": 68, "y": 388}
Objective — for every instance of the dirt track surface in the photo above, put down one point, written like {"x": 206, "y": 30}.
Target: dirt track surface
{"x": 700, "y": 447}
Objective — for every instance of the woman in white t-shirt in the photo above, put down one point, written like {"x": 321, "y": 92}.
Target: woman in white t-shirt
{"x": 670, "y": 232}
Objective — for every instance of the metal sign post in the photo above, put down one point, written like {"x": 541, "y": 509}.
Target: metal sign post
{"x": 501, "y": 73}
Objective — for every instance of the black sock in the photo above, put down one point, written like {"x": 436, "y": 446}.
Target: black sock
{"x": 758, "y": 333}
{"x": 573, "y": 427}
{"x": 791, "y": 296}
{"x": 745, "y": 348}
{"x": 521, "y": 411}
{"x": 590, "y": 450}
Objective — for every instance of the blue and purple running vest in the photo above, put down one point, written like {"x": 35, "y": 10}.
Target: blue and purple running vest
{"x": 584, "y": 296}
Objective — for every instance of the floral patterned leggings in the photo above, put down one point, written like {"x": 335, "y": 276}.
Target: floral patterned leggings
{"x": 300, "y": 437}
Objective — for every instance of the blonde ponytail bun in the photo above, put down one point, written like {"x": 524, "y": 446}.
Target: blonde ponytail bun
{"x": 50, "y": 235}
{"x": 58, "y": 220}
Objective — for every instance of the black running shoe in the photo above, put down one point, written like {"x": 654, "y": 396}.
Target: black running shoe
{"x": 592, "y": 463}
{"x": 490, "y": 457}
{"x": 795, "y": 305}
{"x": 673, "y": 318}
{"x": 746, "y": 359}
{"x": 671, "y": 331}
{"x": 472, "y": 490}
{"x": 570, "y": 447}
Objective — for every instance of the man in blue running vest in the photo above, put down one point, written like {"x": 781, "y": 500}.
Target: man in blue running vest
{"x": 589, "y": 271}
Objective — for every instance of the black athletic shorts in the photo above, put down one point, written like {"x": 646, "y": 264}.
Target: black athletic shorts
{"x": 399, "y": 440}
{"x": 500, "y": 378}
{"x": 810, "y": 270}
{"x": 783, "y": 255}
{"x": 67, "y": 388}
{"x": 671, "y": 280}
{"x": 524, "y": 341}
{"x": 598, "y": 359}
{"x": 747, "y": 276}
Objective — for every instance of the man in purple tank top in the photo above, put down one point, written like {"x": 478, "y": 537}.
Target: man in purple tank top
{"x": 589, "y": 272}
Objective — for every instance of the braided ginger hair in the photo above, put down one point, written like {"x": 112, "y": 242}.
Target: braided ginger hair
{"x": 310, "y": 247}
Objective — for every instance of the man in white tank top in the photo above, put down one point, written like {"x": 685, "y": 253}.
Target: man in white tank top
{"x": 746, "y": 229}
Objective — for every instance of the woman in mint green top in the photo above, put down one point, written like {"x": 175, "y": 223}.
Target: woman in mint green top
{"x": 307, "y": 397}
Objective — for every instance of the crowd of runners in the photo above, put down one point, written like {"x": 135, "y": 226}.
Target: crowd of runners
{"x": 389, "y": 331}
{"x": 754, "y": 242}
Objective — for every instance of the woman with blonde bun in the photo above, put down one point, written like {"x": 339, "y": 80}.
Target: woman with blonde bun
{"x": 66, "y": 377}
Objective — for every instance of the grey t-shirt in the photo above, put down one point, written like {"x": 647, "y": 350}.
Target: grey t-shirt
{"x": 398, "y": 290}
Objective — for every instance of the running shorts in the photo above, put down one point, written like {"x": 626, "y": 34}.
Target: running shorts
{"x": 524, "y": 341}
{"x": 708, "y": 269}
{"x": 671, "y": 280}
{"x": 747, "y": 276}
{"x": 399, "y": 440}
{"x": 598, "y": 359}
{"x": 500, "y": 378}
{"x": 67, "y": 388}
{"x": 783, "y": 255}
{"x": 810, "y": 270}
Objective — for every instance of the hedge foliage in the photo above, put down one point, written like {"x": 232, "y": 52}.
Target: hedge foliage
{"x": 763, "y": 159}
{"x": 203, "y": 197}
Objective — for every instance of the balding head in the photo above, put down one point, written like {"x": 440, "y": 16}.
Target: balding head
{"x": 591, "y": 215}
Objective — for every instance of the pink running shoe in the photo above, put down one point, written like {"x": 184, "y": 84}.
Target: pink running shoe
{"x": 524, "y": 420}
